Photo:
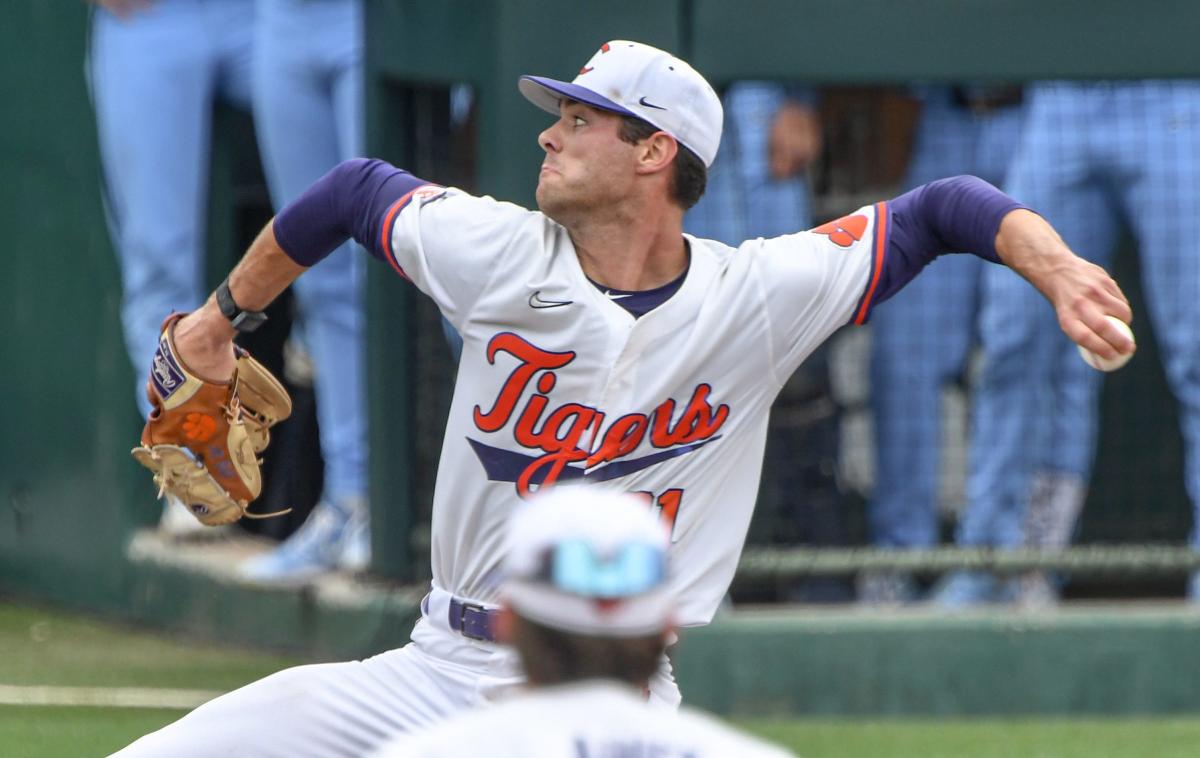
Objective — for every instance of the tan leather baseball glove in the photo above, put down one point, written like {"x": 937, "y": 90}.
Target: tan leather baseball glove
{"x": 203, "y": 438}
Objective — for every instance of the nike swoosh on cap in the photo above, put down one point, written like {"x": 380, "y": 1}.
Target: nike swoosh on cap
{"x": 536, "y": 301}
{"x": 648, "y": 104}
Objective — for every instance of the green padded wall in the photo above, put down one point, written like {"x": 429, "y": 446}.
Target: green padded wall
{"x": 69, "y": 492}
{"x": 65, "y": 387}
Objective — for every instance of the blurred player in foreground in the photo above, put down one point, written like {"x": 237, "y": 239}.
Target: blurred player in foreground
{"x": 586, "y": 604}
{"x": 601, "y": 344}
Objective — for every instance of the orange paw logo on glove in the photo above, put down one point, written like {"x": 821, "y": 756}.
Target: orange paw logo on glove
{"x": 203, "y": 438}
{"x": 199, "y": 427}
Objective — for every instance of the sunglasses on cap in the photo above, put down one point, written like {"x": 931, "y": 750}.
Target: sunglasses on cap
{"x": 575, "y": 567}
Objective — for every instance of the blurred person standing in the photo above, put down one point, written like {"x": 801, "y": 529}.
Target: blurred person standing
{"x": 759, "y": 187}
{"x": 155, "y": 69}
{"x": 922, "y": 337}
{"x": 1092, "y": 156}
{"x": 308, "y": 113}
{"x": 587, "y": 607}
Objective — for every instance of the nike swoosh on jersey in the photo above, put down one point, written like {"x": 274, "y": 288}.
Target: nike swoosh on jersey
{"x": 648, "y": 104}
{"x": 536, "y": 301}
{"x": 614, "y": 296}
{"x": 506, "y": 465}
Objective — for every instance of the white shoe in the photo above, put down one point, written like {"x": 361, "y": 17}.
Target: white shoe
{"x": 886, "y": 588}
{"x": 356, "y": 543}
{"x": 1035, "y": 592}
{"x": 334, "y": 536}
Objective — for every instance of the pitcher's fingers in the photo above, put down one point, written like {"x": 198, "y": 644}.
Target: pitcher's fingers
{"x": 1097, "y": 333}
{"x": 1119, "y": 305}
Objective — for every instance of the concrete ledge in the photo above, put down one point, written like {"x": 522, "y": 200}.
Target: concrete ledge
{"x": 1124, "y": 659}
{"x": 191, "y": 587}
{"x": 1093, "y": 659}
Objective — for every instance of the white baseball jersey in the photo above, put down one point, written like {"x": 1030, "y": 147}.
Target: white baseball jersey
{"x": 559, "y": 383}
{"x": 587, "y": 720}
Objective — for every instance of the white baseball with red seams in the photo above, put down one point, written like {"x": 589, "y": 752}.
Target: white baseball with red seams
{"x": 1099, "y": 362}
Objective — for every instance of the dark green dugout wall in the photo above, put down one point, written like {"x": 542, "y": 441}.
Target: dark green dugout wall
{"x": 65, "y": 387}
{"x": 70, "y": 495}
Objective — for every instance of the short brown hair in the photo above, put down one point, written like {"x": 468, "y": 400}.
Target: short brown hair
{"x": 691, "y": 175}
{"x": 552, "y": 656}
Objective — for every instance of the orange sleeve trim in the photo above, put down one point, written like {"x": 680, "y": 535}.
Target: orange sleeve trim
{"x": 881, "y": 235}
{"x": 386, "y": 235}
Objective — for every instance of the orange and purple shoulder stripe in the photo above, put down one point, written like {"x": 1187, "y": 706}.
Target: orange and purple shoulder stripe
{"x": 878, "y": 254}
{"x": 389, "y": 220}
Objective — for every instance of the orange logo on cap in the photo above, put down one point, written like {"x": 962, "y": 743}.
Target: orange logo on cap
{"x": 604, "y": 49}
{"x": 845, "y": 231}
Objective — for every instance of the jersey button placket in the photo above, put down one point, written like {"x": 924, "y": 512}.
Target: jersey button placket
{"x": 616, "y": 392}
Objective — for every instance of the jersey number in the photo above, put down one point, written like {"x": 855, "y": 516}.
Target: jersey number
{"x": 667, "y": 504}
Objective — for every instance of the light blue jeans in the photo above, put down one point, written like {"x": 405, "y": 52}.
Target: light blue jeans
{"x": 155, "y": 77}
{"x": 309, "y": 115}
{"x": 1094, "y": 156}
{"x": 921, "y": 338}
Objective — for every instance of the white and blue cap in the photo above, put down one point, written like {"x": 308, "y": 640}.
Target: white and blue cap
{"x": 588, "y": 561}
{"x": 639, "y": 80}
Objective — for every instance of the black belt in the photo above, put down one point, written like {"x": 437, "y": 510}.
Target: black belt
{"x": 471, "y": 620}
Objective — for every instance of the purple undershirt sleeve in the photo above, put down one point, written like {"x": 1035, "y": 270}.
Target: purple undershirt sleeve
{"x": 962, "y": 213}
{"x": 348, "y": 202}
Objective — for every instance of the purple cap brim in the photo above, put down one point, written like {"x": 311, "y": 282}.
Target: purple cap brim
{"x": 546, "y": 93}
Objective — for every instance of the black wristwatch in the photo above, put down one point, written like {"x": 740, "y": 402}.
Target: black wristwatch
{"x": 243, "y": 321}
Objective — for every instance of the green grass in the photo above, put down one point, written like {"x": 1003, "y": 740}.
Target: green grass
{"x": 44, "y": 732}
{"x": 51, "y": 732}
{"x": 42, "y": 647}
{"x": 986, "y": 738}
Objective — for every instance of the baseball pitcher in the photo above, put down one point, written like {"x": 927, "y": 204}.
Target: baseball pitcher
{"x": 602, "y": 346}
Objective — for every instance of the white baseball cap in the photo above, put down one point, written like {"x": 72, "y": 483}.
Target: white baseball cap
{"x": 639, "y": 80}
{"x": 588, "y": 561}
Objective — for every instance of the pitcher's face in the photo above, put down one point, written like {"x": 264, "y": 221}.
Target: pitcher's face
{"x": 587, "y": 164}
